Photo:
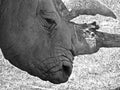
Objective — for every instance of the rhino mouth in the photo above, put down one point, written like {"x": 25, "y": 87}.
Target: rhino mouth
{"x": 54, "y": 69}
{"x": 59, "y": 70}
{"x": 62, "y": 74}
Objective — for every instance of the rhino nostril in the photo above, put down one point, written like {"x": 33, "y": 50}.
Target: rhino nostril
{"x": 67, "y": 69}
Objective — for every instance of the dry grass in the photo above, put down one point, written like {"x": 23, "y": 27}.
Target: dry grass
{"x": 100, "y": 71}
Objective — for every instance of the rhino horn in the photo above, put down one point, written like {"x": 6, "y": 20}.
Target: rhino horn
{"x": 88, "y": 40}
{"x": 89, "y": 7}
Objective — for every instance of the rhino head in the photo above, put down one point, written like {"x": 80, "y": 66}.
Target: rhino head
{"x": 38, "y": 37}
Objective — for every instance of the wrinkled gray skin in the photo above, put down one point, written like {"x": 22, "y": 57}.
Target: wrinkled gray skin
{"x": 37, "y": 36}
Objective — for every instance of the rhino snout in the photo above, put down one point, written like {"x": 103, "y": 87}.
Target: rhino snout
{"x": 62, "y": 74}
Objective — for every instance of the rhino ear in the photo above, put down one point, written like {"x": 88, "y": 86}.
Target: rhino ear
{"x": 89, "y": 7}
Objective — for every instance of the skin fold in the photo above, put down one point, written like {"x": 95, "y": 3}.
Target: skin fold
{"x": 38, "y": 37}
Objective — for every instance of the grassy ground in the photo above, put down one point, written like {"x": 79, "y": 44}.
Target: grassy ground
{"x": 100, "y": 71}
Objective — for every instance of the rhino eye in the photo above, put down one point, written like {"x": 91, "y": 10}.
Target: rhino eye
{"x": 50, "y": 24}
{"x": 50, "y": 21}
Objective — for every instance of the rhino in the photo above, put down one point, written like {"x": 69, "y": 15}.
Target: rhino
{"x": 38, "y": 36}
